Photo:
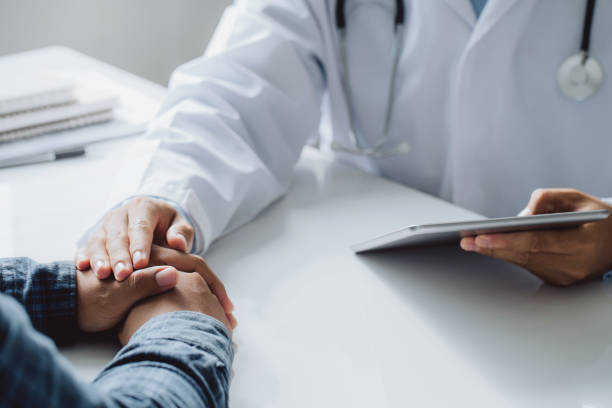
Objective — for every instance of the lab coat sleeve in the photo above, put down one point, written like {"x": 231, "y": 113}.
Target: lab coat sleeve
{"x": 235, "y": 120}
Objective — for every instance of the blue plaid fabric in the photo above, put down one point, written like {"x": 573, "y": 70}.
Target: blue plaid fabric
{"x": 47, "y": 292}
{"x": 179, "y": 359}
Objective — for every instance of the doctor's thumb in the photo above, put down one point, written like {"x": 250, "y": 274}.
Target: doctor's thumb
{"x": 147, "y": 282}
{"x": 552, "y": 200}
{"x": 180, "y": 235}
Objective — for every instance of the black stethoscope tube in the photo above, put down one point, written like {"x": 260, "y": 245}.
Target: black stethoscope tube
{"x": 586, "y": 29}
{"x": 341, "y": 19}
{"x": 579, "y": 76}
{"x": 377, "y": 149}
{"x": 400, "y": 16}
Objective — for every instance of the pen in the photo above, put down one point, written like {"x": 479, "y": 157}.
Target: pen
{"x": 43, "y": 157}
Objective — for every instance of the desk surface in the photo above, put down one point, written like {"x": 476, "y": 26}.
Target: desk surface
{"x": 321, "y": 327}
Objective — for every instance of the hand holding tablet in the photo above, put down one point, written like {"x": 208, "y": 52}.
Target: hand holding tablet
{"x": 444, "y": 233}
{"x": 566, "y": 239}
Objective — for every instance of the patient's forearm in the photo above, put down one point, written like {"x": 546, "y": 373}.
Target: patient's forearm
{"x": 180, "y": 359}
{"x": 175, "y": 360}
{"x": 32, "y": 372}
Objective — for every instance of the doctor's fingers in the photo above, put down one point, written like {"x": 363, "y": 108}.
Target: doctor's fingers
{"x": 552, "y": 200}
{"x": 117, "y": 243}
{"x": 552, "y": 241}
{"x": 180, "y": 234}
{"x": 96, "y": 252}
{"x": 81, "y": 259}
{"x": 143, "y": 217}
{"x": 558, "y": 270}
{"x": 192, "y": 263}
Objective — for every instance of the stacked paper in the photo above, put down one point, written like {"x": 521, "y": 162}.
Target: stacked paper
{"x": 32, "y": 105}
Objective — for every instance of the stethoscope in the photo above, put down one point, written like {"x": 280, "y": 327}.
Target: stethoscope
{"x": 377, "y": 150}
{"x": 579, "y": 77}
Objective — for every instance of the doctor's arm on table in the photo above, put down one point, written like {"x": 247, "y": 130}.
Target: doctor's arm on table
{"x": 560, "y": 257}
{"x": 230, "y": 131}
{"x": 172, "y": 317}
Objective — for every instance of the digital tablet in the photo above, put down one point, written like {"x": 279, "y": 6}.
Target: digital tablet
{"x": 430, "y": 234}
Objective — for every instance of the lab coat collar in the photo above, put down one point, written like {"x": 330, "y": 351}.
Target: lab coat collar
{"x": 492, "y": 13}
{"x": 464, "y": 9}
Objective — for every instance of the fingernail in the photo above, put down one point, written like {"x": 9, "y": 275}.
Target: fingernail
{"x": 166, "y": 277}
{"x": 98, "y": 268}
{"x": 525, "y": 212}
{"x": 80, "y": 261}
{"x": 483, "y": 242}
{"x": 138, "y": 256}
{"x": 468, "y": 245}
{"x": 180, "y": 235}
{"x": 121, "y": 271}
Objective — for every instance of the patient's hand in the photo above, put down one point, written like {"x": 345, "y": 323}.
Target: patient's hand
{"x": 191, "y": 293}
{"x": 101, "y": 304}
{"x": 192, "y": 263}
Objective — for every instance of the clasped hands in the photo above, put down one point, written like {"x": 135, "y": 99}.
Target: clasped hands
{"x": 186, "y": 285}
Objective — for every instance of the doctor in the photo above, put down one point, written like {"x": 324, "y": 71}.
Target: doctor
{"x": 480, "y": 104}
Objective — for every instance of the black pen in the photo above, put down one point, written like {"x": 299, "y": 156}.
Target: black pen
{"x": 43, "y": 157}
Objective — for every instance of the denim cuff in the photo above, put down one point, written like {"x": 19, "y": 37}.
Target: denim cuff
{"x": 196, "y": 329}
{"x": 178, "y": 359}
{"x": 187, "y": 351}
{"x": 59, "y": 321}
{"x": 46, "y": 291}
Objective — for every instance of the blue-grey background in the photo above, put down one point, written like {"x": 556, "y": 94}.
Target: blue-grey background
{"x": 147, "y": 37}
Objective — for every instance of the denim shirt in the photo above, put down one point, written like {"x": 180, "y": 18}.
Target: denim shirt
{"x": 178, "y": 359}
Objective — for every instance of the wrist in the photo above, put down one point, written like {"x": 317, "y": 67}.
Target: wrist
{"x": 142, "y": 314}
{"x": 183, "y": 325}
{"x": 168, "y": 317}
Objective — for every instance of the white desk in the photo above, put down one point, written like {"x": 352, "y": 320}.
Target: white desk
{"x": 321, "y": 327}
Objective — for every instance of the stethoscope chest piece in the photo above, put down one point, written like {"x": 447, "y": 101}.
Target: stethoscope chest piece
{"x": 580, "y": 77}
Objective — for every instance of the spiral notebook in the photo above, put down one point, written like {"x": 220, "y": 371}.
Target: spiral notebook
{"x": 35, "y": 105}
{"x": 41, "y": 85}
{"x": 25, "y": 92}
{"x": 56, "y": 126}
{"x": 87, "y": 108}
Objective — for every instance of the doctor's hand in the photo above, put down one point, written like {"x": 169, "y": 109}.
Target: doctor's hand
{"x": 560, "y": 257}
{"x": 123, "y": 241}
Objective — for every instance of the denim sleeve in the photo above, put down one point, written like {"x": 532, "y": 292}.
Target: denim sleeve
{"x": 32, "y": 372}
{"x": 179, "y": 359}
{"x": 46, "y": 291}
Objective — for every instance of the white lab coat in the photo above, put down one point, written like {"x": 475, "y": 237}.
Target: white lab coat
{"x": 476, "y": 99}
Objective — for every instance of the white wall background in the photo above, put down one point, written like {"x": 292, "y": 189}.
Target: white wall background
{"x": 147, "y": 37}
